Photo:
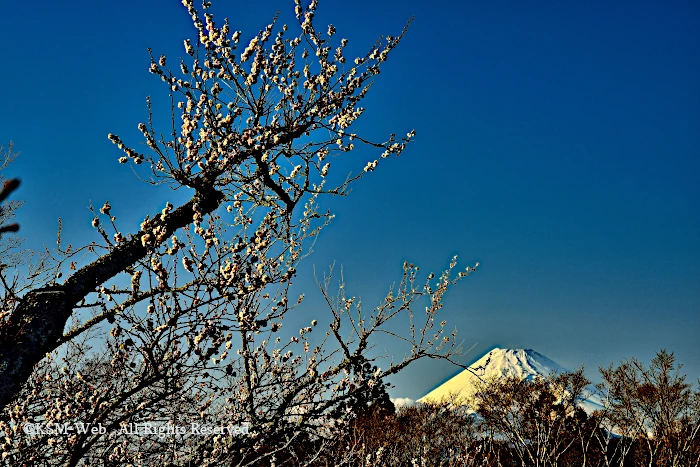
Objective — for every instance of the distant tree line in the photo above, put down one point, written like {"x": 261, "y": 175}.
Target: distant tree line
{"x": 650, "y": 417}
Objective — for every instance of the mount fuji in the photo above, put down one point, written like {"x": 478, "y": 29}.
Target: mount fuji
{"x": 525, "y": 364}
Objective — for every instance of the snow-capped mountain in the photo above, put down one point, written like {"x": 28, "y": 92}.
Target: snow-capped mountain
{"x": 498, "y": 363}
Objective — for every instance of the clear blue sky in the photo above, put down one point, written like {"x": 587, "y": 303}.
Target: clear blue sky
{"x": 558, "y": 144}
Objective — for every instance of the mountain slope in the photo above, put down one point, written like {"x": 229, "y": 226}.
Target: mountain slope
{"x": 521, "y": 363}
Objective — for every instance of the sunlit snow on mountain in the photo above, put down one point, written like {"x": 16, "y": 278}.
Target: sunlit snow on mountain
{"x": 498, "y": 363}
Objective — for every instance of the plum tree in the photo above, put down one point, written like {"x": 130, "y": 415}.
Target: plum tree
{"x": 182, "y": 320}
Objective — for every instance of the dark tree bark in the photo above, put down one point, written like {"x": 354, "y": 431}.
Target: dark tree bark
{"x": 36, "y": 325}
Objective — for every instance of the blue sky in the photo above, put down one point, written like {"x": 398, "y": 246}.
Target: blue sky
{"x": 558, "y": 144}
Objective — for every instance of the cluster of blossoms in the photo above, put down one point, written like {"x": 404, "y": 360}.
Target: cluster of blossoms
{"x": 200, "y": 320}
{"x": 227, "y": 114}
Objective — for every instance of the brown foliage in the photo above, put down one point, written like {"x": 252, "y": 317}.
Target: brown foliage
{"x": 650, "y": 418}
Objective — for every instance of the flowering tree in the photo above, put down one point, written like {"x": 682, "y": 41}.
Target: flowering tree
{"x": 7, "y": 155}
{"x": 20, "y": 270}
{"x": 182, "y": 320}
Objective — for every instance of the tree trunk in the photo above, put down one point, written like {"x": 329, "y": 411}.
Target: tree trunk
{"x": 37, "y": 324}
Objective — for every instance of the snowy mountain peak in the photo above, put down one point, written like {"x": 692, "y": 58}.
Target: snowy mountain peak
{"x": 498, "y": 363}
{"x": 521, "y": 363}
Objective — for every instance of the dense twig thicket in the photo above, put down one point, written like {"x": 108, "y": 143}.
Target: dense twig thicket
{"x": 650, "y": 417}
